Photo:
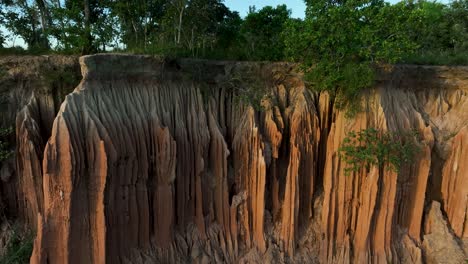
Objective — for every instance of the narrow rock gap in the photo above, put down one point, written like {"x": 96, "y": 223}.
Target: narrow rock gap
{"x": 322, "y": 144}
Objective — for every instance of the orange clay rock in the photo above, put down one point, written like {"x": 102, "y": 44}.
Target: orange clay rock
{"x": 440, "y": 245}
{"x": 365, "y": 210}
{"x": 137, "y": 159}
{"x": 158, "y": 161}
{"x": 32, "y": 89}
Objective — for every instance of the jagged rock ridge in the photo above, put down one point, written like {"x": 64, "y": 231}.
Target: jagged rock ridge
{"x": 152, "y": 160}
{"x": 170, "y": 169}
{"x": 31, "y": 91}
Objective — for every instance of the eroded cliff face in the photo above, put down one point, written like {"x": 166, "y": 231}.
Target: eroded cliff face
{"x": 31, "y": 91}
{"x": 152, "y": 160}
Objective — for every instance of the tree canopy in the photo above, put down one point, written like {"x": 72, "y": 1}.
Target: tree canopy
{"x": 339, "y": 43}
{"x": 340, "y": 32}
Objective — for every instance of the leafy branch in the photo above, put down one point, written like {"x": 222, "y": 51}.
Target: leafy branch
{"x": 19, "y": 247}
{"x": 371, "y": 147}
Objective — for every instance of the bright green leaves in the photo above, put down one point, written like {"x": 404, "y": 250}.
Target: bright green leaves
{"x": 340, "y": 42}
{"x": 371, "y": 147}
{"x": 345, "y": 80}
{"x": 260, "y": 34}
{"x": 334, "y": 35}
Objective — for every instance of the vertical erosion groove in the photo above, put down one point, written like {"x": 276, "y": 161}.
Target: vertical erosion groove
{"x": 144, "y": 165}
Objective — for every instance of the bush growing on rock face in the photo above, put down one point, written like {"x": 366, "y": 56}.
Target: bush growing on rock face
{"x": 371, "y": 147}
{"x": 6, "y": 150}
{"x": 332, "y": 35}
{"x": 260, "y": 33}
{"x": 19, "y": 245}
{"x": 340, "y": 43}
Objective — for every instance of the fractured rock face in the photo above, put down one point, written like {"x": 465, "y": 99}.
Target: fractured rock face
{"x": 135, "y": 159}
{"x": 30, "y": 146}
{"x": 367, "y": 208}
{"x": 455, "y": 184}
{"x": 32, "y": 89}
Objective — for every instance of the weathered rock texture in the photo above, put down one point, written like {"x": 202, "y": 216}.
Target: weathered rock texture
{"x": 440, "y": 244}
{"x": 151, "y": 160}
{"x": 31, "y": 91}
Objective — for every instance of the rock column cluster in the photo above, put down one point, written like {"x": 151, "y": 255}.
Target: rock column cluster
{"x": 148, "y": 161}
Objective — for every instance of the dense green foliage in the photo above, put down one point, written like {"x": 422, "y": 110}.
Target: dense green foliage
{"x": 2, "y": 37}
{"x": 6, "y": 148}
{"x": 18, "y": 249}
{"x": 339, "y": 42}
{"x": 371, "y": 147}
{"x": 335, "y": 33}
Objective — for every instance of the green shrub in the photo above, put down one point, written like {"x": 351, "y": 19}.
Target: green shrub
{"x": 19, "y": 248}
{"x": 345, "y": 82}
{"x": 438, "y": 58}
{"x": 6, "y": 148}
{"x": 3, "y": 72}
{"x": 371, "y": 147}
{"x": 13, "y": 51}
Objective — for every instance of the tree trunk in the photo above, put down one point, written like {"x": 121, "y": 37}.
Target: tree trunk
{"x": 62, "y": 25}
{"x": 45, "y": 22}
{"x": 181, "y": 14}
{"x": 87, "y": 38}
{"x": 135, "y": 44}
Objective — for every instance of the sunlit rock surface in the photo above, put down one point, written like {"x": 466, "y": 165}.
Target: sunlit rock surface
{"x": 153, "y": 160}
{"x": 32, "y": 89}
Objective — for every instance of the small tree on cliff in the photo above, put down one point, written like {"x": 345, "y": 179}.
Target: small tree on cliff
{"x": 24, "y": 19}
{"x": 340, "y": 41}
{"x": 372, "y": 147}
